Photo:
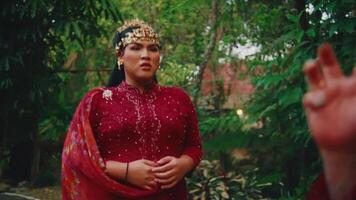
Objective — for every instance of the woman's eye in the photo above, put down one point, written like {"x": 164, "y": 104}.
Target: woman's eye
{"x": 135, "y": 48}
{"x": 154, "y": 49}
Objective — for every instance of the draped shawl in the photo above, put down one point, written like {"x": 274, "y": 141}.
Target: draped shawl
{"x": 83, "y": 176}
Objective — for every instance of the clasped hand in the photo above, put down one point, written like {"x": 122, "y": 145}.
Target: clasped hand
{"x": 166, "y": 172}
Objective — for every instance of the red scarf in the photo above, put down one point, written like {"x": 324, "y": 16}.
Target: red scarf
{"x": 83, "y": 176}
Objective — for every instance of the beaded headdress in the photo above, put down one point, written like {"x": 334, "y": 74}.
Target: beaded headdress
{"x": 134, "y": 31}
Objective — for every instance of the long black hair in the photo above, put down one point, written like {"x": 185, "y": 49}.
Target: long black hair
{"x": 118, "y": 73}
{"x": 117, "y": 76}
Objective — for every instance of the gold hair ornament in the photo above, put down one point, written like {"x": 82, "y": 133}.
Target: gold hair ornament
{"x": 141, "y": 32}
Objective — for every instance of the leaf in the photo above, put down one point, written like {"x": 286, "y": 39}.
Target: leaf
{"x": 293, "y": 18}
{"x": 6, "y": 83}
{"x": 350, "y": 26}
{"x": 267, "y": 111}
{"x": 311, "y": 33}
{"x": 76, "y": 29}
{"x": 291, "y": 97}
{"x": 299, "y": 36}
{"x": 228, "y": 141}
{"x": 5, "y": 65}
{"x": 33, "y": 6}
{"x": 274, "y": 177}
{"x": 333, "y": 29}
{"x": 225, "y": 195}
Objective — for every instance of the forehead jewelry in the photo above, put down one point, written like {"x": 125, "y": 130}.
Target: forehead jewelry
{"x": 135, "y": 31}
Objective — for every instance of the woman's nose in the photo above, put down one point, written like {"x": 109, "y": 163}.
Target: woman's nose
{"x": 145, "y": 53}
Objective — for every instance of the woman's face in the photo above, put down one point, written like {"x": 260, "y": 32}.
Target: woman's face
{"x": 141, "y": 61}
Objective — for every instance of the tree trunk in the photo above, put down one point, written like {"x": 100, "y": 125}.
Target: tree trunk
{"x": 35, "y": 162}
{"x": 4, "y": 129}
{"x": 209, "y": 50}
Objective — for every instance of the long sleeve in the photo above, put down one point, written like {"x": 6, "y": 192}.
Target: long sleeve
{"x": 124, "y": 125}
{"x": 193, "y": 147}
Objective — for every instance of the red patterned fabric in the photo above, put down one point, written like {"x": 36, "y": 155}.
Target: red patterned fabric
{"x": 318, "y": 190}
{"x": 122, "y": 124}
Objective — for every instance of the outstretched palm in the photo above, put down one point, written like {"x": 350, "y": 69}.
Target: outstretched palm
{"x": 331, "y": 102}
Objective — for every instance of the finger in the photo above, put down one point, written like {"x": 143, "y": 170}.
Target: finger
{"x": 148, "y": 187}
{"x": 312, "y": 71}
{"x": 165, "y": 175}
{"x": 318, "y": 99}
{"x": 328, "y": 60}
{"x": 349, "y": 86}
{"x": 150, "y": 163}
{"x": 169, "y": 185}
{"x": 165, "y": 181}
{"x": 315, "y": 100}
{"x": 163, "y": 168}
{"x": 151, "y": 183}
{"x": 164, "y": 160}
{"x": 150, "y": 177}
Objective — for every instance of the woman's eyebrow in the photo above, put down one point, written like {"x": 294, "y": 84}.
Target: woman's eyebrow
{"x": 137, "y": 44}
{"x": 153, "y": 45}
{"x": 141, "y": 45}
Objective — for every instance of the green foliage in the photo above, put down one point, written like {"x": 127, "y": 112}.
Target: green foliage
{"x": 175, "y": 74}
{"x": 32, "y": 48}
{"x": 280, "y": 85}
{"x": 209, "y": 182}
{"x": 223, "y": 132}
{"x": 46, "y": 40}
{"x": 82, "y": 43}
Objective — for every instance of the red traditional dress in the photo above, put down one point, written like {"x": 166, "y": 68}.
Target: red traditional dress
{"x": 123, "y": 124}
{"x": 319, "y": 190}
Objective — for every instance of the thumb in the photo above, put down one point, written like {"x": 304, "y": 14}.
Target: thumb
{"x": 150, "y": 163}
{"x": 164, "y": 160}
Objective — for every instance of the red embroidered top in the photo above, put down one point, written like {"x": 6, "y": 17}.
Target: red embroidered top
{"x": 129, "y": 125}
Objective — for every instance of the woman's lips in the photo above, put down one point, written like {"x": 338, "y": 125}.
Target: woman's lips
{"x": 146, "y": 65}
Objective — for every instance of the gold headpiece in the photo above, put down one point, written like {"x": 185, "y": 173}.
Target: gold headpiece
{"x": 140, "y": 31}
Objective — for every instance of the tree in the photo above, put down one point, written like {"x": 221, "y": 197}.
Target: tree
{"x": 285, "y": 45}
{"x": 31, "y": 49}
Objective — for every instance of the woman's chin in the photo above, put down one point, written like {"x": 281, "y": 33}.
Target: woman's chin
{"x": 145, "y": 77}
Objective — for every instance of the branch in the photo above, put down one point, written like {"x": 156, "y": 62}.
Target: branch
{"x": 82, "y": 70}
{"x": 209, "y": 50}
{"x": 300, "y": 6}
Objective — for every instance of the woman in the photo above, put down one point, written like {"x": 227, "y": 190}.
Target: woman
{"x": 133, "y": 139}
{"x": 331, "y": 111}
